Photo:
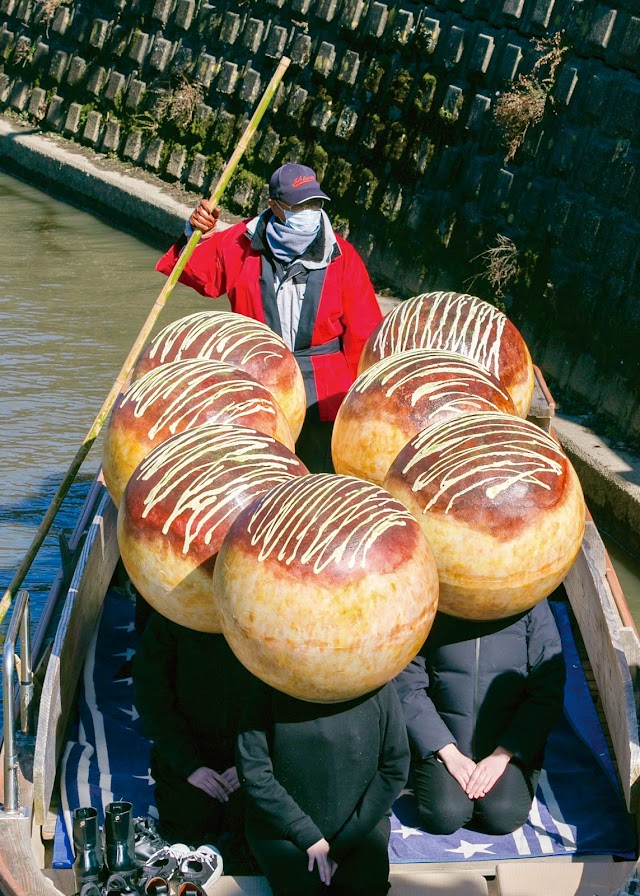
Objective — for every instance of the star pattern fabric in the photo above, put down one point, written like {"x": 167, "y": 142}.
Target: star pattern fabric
{"x": 467, "y": 850}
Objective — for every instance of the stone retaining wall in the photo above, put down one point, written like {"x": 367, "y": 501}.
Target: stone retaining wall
{"x": 393, "y": 104}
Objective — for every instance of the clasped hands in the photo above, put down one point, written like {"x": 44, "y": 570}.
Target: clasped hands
{"x": 475, "y": 778}
{"x": 218, "y": 785}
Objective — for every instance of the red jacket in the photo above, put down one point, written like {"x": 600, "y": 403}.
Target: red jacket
{"x": 346, "y": 314}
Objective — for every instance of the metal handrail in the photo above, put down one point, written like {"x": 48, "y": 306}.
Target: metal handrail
{"x": 20, "y": 624}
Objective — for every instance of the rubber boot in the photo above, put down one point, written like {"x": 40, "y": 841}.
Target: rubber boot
{"x": 119, "y": 838}
{"x": 87, "y": 844}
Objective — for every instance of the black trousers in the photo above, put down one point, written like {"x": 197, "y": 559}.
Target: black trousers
{"x": 314, "y": 443}
{"x": 444, "y": 807}
{"x": 189, "y": 815}
{"x": 362, "y": 872}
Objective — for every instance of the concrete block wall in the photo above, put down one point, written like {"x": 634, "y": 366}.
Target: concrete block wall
{"x": 393, "y": 104}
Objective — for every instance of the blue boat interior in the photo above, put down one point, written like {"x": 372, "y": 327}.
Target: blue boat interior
{"x": 107, "y": 758}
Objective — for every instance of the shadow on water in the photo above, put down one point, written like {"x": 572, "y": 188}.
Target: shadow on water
{"x": 59, "y": 193}
{"x": 20, "y": 520}
{"x": 627, "y": 570}
{"x": 19, "y": 523}
{"x": 48, "y": 230}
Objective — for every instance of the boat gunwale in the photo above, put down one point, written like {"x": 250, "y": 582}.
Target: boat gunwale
{"x": 21, "y": 873}
{"x": 78, "y": 620}
{"x": 613, "y": 659}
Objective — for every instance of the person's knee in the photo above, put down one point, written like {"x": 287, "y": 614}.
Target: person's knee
{"x": 501, "y": 817}
{"x": 443, "y": 819}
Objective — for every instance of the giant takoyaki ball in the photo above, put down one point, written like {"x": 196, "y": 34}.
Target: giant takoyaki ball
{"x": 326, "y": 587}
{"x": 502, "y": 508}
{"x": 457, "y": 322}
{"x": 237, "y": 340}
{"x": 180, "y": 396}
{"x": 179, "y": 504}
{"x": 393, "y": 400}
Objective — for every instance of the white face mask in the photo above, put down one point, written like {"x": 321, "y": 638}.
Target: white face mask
{"x": 306, "y": 221}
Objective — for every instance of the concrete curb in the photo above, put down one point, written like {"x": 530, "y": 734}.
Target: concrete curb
{"x": 142, "y": 203}
{"x": 150, "y": 207}
{"x": 610, "y": 478}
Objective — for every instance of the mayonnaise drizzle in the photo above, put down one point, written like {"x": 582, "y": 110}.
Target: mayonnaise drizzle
{"x": 199, "y": 388}
{"x": 453, "y": 321}
{"x": 210, "y": 473}
{"x": 511, "y": 451}
{"x": 226, "y": 332}
{"x": 443, "y": 378}
{"x": 323, "y": 519}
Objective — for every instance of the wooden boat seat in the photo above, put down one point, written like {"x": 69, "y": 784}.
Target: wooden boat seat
{"x": 242, "y": 886}
{"x": 438, "y": 883}
{"x": 594, "y": 878}
{"x": 454, "y": 883}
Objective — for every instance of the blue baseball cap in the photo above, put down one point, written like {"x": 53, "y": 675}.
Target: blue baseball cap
{"x": 295, "y": 184}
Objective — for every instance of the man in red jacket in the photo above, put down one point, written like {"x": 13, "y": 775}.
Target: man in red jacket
{"x": 287, "y": 268}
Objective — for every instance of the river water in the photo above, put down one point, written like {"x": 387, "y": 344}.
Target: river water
{"x": 74, "y": 293}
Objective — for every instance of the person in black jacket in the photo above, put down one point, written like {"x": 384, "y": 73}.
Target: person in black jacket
{"x": 319, "y": 781}
{"x": 188, "y": 691}
{"x": 480, "y": 700}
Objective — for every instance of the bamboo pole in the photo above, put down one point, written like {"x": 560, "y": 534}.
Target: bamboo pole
{"x": 139, "y": 344}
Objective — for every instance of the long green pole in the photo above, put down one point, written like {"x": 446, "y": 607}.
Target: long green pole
{"x": 139, "y": 344}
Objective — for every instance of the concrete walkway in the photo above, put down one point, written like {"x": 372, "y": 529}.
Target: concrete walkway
{"x": 140, "y": 202}
{"x": 610, "y": 477}
{"x": 125, "y": 194}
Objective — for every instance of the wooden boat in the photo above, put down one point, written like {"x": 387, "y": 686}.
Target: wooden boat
{"x": 46, "y": 701}
{"x": 32, "y": 749}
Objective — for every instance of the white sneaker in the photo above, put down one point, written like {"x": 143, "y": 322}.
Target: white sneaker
{"x": 199, "y": 871}
{"x": 162, "y": 865}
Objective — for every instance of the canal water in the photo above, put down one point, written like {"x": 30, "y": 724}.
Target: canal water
{"x": 628, "y": 572}
{"x": 74, "y": 293}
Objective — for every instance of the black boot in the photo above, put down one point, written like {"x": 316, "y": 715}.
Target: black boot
{"x": 119, "y": 836}
{"x": 87, "y": 866}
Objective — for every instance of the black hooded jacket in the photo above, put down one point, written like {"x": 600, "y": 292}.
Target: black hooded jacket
{"x": 485, "y": 684}
{"x": 188, "y": 690}
{"x": 312, "y": 770}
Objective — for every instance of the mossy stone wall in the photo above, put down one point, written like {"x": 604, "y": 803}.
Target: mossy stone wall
{"x": 393, "y": 104}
